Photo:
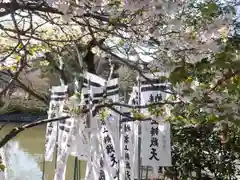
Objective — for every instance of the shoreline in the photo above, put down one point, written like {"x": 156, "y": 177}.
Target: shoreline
{"x": 22, "y": 117}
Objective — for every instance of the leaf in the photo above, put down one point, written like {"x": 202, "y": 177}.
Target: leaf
{"x": 137, "y": 115}
{"x": 193, "y": 35}
{"x": 2, "y": 167}
{"x": 18, "y": 58}
{"x": 178, "y": 75}
{"x": 209, "y": 10}
{"x": 13, "y": 67}
{"x": 20, "y": 45}
{"x": 103, "y": 114}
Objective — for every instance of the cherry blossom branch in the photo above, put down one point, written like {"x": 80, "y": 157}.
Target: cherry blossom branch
{"x": 11, "y": 81}
{"x": 226, "y": 77}
{"x": 14, "y": 132}
{"x": 140, "y": 106}
{"x": 21, "y": 85}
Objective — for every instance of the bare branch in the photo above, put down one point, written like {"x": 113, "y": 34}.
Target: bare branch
{"x": 11, "y": 81}
{"x": 20, "y": 84}
{"x": 13, "y": 133}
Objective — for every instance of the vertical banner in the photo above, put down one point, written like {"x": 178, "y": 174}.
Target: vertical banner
{"x": 103, "y": 161}
{"x": 129, "y": 141}
{"x": 113, "y": 121}
{"x": 80, "y": 140}
{"x": 92, "y": 85}
{"x": 127, "y": 147}
{"x": 96, "y": 166}
{"x": 3, "y": 162}
{"x": 109, "y": 149}
{"x": 58, "y": 96}
{"x": 65, "y": 132}
{"x": 109, "y": 130}
{"x": 156, "y": 145}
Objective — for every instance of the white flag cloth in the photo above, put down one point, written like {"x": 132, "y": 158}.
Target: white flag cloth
{"x": 58, "y": 96}
{"x": 80, "y": 142}
{"x": 65, "y": 137}
{"x": 129, "y": 141}
{"x": 155, "y": 136}
{"x": 103, "y": 159}
{"x": 109, "y": 149}
{"x": 3, "y": 174}
{"x": 95, "y": 165}
{"x": 134, "y": 101}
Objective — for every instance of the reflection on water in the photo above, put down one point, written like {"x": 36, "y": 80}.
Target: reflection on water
{"x": 26, "y": 157}
{"x": 22, "y": 164}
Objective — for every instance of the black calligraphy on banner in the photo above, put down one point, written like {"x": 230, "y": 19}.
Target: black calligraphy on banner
{"x": 54, "y": 108}
{"x": 156, "y": 98}
{"x": 135, "y": 99}
{"x": 65, "y": 128}
{"x": 102, "y": 175}
{"x": 154, "y": 144}
{"x": 152, "y": 131}
{"x": 109, "y": 149}
{"x": 57, "y": 99}
{"x": 127, "y": 129}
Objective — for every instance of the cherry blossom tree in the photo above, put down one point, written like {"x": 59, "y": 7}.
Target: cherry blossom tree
{"x": 193, "y": 42}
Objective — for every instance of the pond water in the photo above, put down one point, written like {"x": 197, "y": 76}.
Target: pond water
{"x": 26, "y": 159}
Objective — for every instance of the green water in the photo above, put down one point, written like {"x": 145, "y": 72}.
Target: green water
{"x": 27, "y": 162}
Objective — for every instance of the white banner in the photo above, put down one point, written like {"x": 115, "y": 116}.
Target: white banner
{"x": 109, "y": 149}
{"x": 127, "y": 148}
{"x": 102, "y": 160}
{"x": 155, "y": 136}
{"x": 58, "y": 97}
{"x": 129, "y": 141}
{"x": 96, "y": 168}
{"x": 80, "y": 143}
{"x": 3, "y": 170}
{"x": 65, "y": 137}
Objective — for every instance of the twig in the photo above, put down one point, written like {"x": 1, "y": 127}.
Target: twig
{"x": 11, "y": 81}
{"x": 3, "y": 126}
{"x": 226, "y": 77}
{"x": 13, "y": 133}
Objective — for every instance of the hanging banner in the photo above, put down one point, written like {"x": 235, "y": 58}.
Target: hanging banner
{"x": 95, "y": 81}
{"x": 3, "y": 163}
{"x": 81, "y": 144}
{"x": 58, "y": 96}
{"x": 113, "y": 121}
{"x": 134, "y": 100}
{"x": 109, "y": 130}
{"x": 129, "y": 141}
{"x": 109, "y": 149}
{"x": 127, "y": 147}
{"x": 65, "y": 135}
{"x": 96, "y": 166}
{"x": 107, "y": 94}
{"x": 80, "y": 140}
{"x": 108, "y": 138}
{"x": 155, "y": 136}
{"x": 65, "y": 128}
